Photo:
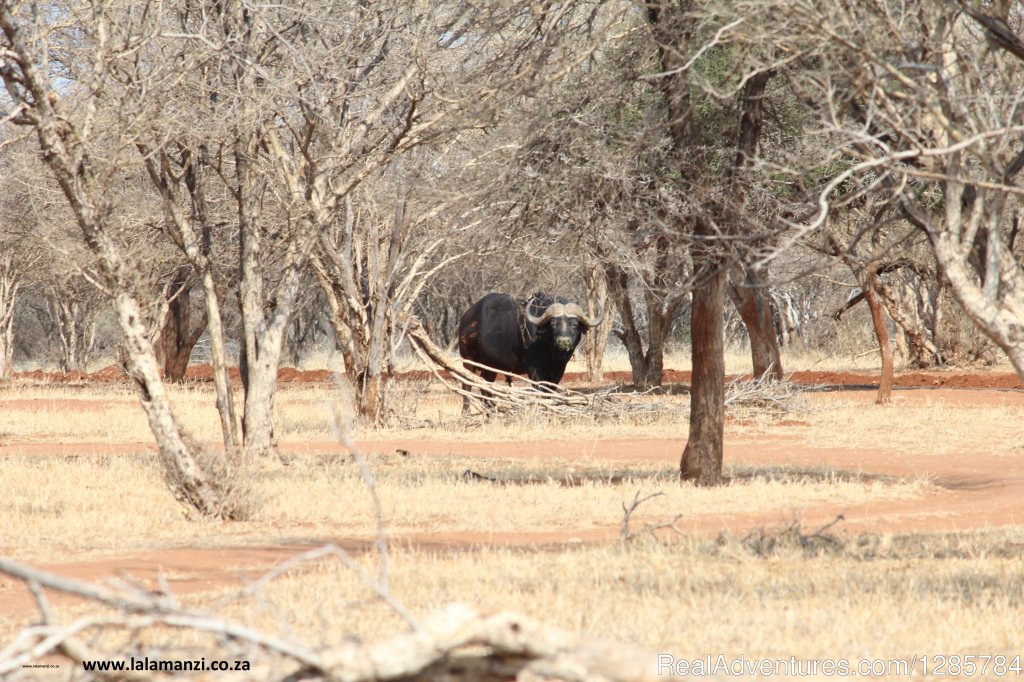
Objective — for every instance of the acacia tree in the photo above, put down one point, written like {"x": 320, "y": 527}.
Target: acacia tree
{"x": 85, "y": 159}
{"x": 620, "y": 165}
{"x": 652, "y": 164}
{"x": 371, "y": 275}
{"x": 920, "y": 105}
{"x": 721, "y": 199}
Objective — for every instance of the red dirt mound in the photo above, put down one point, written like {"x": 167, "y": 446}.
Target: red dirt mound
{"x": 297, "y": 375}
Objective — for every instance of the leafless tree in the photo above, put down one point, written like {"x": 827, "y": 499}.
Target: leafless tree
{"x": 920, "y": 105}
{"x": 371, "y": 276}
{"x": 12, "y": 271}
{"x": 375, "y": 254}
{"x": 87, "y": 160}
{"x": 71, "y": 306}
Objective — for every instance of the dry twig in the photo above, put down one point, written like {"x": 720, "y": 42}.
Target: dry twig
{"x": 782, "y": 395}
{"x": 649, "y": 529}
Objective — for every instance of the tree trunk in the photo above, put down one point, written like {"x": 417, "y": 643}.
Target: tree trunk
{"x": 370, "y": 393}
{"x": 900, "y": 339}
{"x": 748, "y": 287}
{"x": 647, "y": 366}
{"x": 922, "y": 352}
{"x": 618, "y": 286}
{"x": 867, "y": 284}
{"x": 6, "y": 350}
{"x": 258, "y": 363}
{"x": 659, "y": 324}
{"x": 754, "y": 306}
{"x": 177, "y": 338}
{"x": 189, "y": 481}
{"x": 218, "y": 354}
{"x": 9, "y": 285}
{"x": 936, "y": 295}
{"x": 260, "y": 347}
{"x": 596, "y": 340}
{"x": 702, "y": 458}
{"x": 259, "y": 379}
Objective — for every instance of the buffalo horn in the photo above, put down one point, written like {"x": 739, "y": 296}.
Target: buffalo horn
{"x": 574, "y": 310}
{"x": 553, "y": 310}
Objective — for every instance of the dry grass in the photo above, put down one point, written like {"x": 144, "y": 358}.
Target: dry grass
{"x": 868, "y": 598}
{"x": 921, "y": 428}
{"x": 692, "y": 597}
{"x": 103, "y": 505}
{"x": 110, "y": 414}
{"x": 858, "y": 597}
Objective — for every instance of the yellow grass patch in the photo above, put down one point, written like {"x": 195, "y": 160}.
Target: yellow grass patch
{"x": 62, "y": 506}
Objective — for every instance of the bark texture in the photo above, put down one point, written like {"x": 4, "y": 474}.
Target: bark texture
{"x": 646, "y": 361}
{"x": 596, "y": 339}
{"x": 868, "y": 278}
{"x": 750, "y": 296}
{"x": 702, "y": 458}
{"x": 749, "y": 288}
{"x": 10, "y": 285}
{"x": 179, "y": 336}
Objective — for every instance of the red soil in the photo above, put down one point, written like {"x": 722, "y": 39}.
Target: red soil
{"x": 934, "y": 378}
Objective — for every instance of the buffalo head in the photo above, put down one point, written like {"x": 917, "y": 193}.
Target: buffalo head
{"x": 564, "y": 322}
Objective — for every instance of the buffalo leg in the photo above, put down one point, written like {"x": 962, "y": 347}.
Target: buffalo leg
{"x": 487, "y": 376}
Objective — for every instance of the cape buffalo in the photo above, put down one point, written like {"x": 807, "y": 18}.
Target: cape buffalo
{"x": 535, "y": 337}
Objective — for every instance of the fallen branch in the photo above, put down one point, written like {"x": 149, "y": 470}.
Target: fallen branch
{"x": 766, "y": 390}
{"x": 527, "y": 395}
{"x": 457, "y": 640}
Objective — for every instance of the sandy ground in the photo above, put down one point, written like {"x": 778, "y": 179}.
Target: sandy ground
{"x": 971, "y": 490}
